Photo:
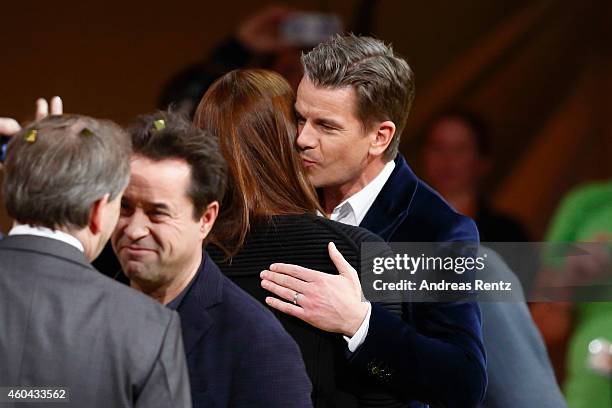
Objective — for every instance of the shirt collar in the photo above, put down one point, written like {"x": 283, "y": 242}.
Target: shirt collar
{"x": 21, "y": 229}
{"x": 352, "y": 210}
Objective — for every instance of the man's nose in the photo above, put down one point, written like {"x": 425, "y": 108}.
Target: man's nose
{"x": 306, "y": 138}
{"x": 137, "y": 226}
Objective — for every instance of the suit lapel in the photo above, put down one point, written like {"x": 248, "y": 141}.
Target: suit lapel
{"x": 393, "y": 202}
{"x": 206, "y": 292}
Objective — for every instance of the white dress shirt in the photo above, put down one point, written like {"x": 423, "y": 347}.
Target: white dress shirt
{"x": 352, "y": 211}
{"x": 21, "y": 229}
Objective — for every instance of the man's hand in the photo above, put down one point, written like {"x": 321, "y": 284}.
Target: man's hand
{"x": 331, "y": 303}
{"x": 42, "y": 107}
{"x": 8, "y": 127}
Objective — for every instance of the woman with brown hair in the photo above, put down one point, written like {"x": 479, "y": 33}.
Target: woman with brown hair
{"x": 269, "y": 213}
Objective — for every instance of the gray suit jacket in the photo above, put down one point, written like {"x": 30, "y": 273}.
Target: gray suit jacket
{"x": 520, "y": 373}
{"x": 62, "y": 323}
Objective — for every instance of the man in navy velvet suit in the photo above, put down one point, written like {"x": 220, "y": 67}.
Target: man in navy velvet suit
{"x": 238, "y": 354}
{"x": 352, "y": 105}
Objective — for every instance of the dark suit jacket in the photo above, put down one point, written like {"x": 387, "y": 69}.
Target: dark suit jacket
{"x": 238, "y": 354}
{"x": 434, "y": 353}
{"x": 64, "y": 324}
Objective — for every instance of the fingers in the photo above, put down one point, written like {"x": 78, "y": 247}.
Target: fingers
{"x": 344, "y": 268}
{"x": 299, "y": 272}
{"x": 280, "y": 291}
{"x": 42, "y": 107}
{"x": 286, "y": 281}
{"x": 57, "y": 106}
{"x": 286, "y": 308}
{"x": 9, "y": 127}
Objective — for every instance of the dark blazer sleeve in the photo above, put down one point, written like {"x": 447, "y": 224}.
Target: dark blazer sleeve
{"x": 438, "y": 364}
{"x": 280, "y": 380}
{"x": 168, "y": 383}
{"x": 433, "y": 352}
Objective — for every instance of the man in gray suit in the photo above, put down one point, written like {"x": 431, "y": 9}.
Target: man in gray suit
{"x": 62, "y": 323}
{"x": 519, "y": 371}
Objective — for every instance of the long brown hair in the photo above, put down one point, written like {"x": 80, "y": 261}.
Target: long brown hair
{"x": 251, "y": 113}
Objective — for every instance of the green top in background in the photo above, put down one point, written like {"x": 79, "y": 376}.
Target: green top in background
{"x": 585, "y": 215}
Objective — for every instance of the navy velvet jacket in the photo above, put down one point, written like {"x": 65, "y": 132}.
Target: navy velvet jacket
{"x": 434, "y": 352}
{"x": 238, "y": 354}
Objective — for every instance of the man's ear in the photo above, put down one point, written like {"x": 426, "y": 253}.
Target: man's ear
{"x": 208, "y": 218}
{"x": 96, "y": 214}
{"x": 383, "y": 135}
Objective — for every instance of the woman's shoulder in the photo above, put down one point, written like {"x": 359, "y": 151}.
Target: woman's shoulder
{"x": 296, "y": 239}
{"x": 310, "y": 229}
{"x": 315, "y": 224}
{"x": 356, "y": 234}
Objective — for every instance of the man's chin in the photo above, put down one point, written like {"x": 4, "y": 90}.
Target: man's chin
{"x": 314, "y": 180}
{"x": 137, "y": 271}
{"x": 322, "y": 184}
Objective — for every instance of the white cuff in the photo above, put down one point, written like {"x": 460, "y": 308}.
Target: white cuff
{"x": 361, "y": 333}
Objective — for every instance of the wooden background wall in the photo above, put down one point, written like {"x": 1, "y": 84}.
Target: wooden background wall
{"x": 538, "y": 71}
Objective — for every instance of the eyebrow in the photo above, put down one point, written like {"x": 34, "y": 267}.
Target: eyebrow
{"x": 321, "y": 120}
{"x": 297, "y": 111}
{"x": 330, "y": 122}
{"x": 159, "y": 206}
{"x": 155, "y": 206}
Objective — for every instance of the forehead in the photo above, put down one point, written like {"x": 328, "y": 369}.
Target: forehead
{"x": 164, "y": 180}
{"x": 452, "y": 131}
{"x": 323, "y": 101}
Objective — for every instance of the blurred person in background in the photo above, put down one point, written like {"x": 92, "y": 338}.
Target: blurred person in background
{"x": 456, "y": 158}
{"x": 272, "y": 38}
{"x": 584, "y": 215}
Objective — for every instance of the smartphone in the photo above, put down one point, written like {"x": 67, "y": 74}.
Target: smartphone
{"x": 3, "y": 146}
{"x": 303, "y": 29}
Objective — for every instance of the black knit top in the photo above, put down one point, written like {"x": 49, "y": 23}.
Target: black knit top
{"x": 300, "y": 240}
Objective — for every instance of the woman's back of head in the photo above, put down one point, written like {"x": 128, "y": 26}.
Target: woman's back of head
{"x": 251, "y": 114}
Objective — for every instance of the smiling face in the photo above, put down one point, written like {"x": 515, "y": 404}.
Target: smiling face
{"x": 157, "y": 238}
{"x": 335, "y": 148}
